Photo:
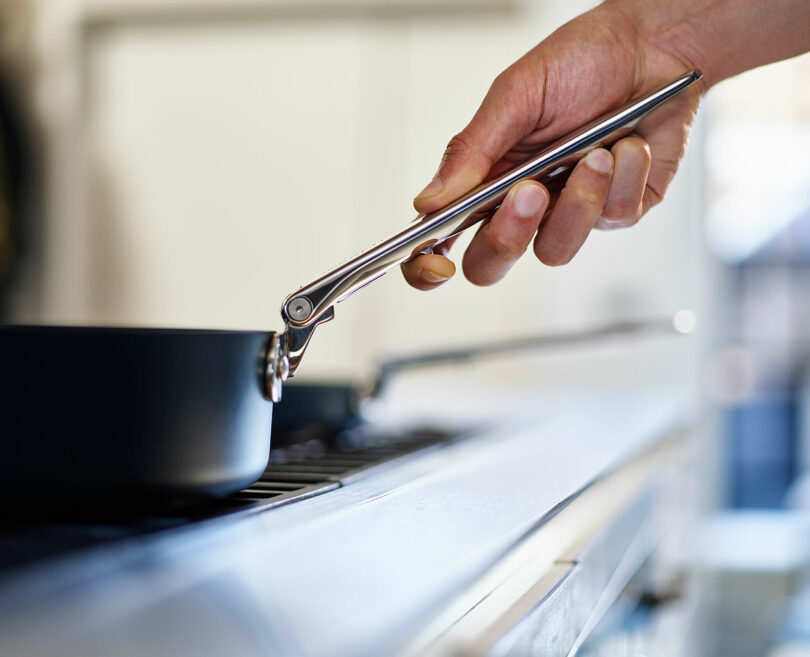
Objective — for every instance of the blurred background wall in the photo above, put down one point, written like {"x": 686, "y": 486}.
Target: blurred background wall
{"x": 206, "y": 158}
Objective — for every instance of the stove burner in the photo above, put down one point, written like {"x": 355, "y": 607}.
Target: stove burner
{"x": 295, "y": 473}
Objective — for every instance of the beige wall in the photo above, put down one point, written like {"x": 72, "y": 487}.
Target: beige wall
{"x": 230, "y": 157}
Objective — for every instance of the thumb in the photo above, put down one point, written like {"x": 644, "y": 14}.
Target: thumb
{"x": 506, "y": 115}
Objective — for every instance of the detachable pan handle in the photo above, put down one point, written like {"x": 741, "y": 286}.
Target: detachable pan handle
{"x": 680, "y": 323}
{"x": 314, "y": 303}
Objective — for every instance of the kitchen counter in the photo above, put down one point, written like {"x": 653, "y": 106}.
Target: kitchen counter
{"x": 392, "y": 561}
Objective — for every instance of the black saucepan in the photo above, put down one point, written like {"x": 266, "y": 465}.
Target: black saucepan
{"x": 131, "y": 411}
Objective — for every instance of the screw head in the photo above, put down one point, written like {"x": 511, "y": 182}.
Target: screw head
{"x": 299, "y": 308}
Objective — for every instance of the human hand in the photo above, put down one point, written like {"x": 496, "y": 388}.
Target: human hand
{"x": 589, "y": 66}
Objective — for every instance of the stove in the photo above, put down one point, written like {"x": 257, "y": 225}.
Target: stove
{"x": 306, "y": 466}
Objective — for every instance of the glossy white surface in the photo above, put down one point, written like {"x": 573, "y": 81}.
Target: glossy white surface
{"x": 355, "y": 571}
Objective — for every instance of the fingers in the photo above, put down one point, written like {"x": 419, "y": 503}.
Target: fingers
{"x": 508, "y": 112}
{"x": 429, "y": 271}
{"x": 666, "y": 130}
{"x": 502, "y": 240}
{"x": 623, "y": 206}
{"x": 577, "y": 209}
{"x": 495, "y": 248}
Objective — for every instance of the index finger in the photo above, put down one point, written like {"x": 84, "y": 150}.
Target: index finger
{"x": 504, "y": 117}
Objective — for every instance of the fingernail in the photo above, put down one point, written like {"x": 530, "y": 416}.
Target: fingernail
{"x": 599, "y": 160}
{"x": 529, "y": 200}
{"x": 431, "y": 277}
{"x": 434, "y": 187}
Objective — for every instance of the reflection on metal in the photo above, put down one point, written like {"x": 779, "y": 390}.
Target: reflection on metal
{"x": 306, "y": 307}
{"x": 276, "y": 368}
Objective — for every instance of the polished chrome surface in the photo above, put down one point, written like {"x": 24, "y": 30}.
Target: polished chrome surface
{"x": 297, "y": 338}
{"x": 300, "y": 308}
{"x": 276, "y": 367}
{"x": 284, "y": 353}
{"x": 310, "y": 304}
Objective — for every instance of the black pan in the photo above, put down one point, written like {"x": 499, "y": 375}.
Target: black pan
{"x": 146, "y": 412}
{"x": 131, "y": 411}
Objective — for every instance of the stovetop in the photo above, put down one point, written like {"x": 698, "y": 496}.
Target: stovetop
{"x": 302, "y": 469}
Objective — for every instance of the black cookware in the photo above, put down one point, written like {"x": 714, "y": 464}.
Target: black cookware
{"x": 171, "y": 412}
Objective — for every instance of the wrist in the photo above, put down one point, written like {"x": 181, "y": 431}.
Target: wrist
{"x": 675, "y": 34}
{"x": 720, "y": 37}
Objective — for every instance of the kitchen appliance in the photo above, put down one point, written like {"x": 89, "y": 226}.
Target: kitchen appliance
{"x": 154, "y": 412}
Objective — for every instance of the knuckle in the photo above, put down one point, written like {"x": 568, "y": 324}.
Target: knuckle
{"x": 585, "y": 196}
{"x": 656, "y": 196}
{"x": 635, "y": 143}
{"x": 458, "y": 145}
{"x": 652, "y": 197}
{"x": 505, "y": 80}
{"x": 581, "y": 199}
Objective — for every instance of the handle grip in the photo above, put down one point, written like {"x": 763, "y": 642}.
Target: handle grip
{"x": 551, "y": 165}
{"x": 314, "y": 303}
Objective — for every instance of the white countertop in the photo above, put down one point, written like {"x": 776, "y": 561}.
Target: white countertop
{"x": 351, "y": 572}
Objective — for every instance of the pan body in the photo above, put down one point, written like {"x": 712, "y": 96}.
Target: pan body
{"x": 119, "y": 412}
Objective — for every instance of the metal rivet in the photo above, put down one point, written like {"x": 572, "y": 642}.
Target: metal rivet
{"x": 299, "y": 308}
{"x": 283, "y": 368}
{"x": 276, "y": 369}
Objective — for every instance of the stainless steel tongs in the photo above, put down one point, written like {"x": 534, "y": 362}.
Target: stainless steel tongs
{"x": 314, "y": 303}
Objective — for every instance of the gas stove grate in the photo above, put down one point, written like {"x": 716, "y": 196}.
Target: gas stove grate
{"x": 295, "y": 473}
{"x": 307, "y": 469}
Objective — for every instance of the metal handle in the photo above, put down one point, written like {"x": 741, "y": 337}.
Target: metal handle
{"x": 314, "y": 303}
{"x": 680, "y": 323}
{"x": 309, "y": 303}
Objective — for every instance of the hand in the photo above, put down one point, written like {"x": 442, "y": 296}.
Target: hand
{"x": 593, "y": 64}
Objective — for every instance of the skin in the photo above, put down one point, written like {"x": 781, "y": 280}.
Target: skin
{"x": 604, "y": 58}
